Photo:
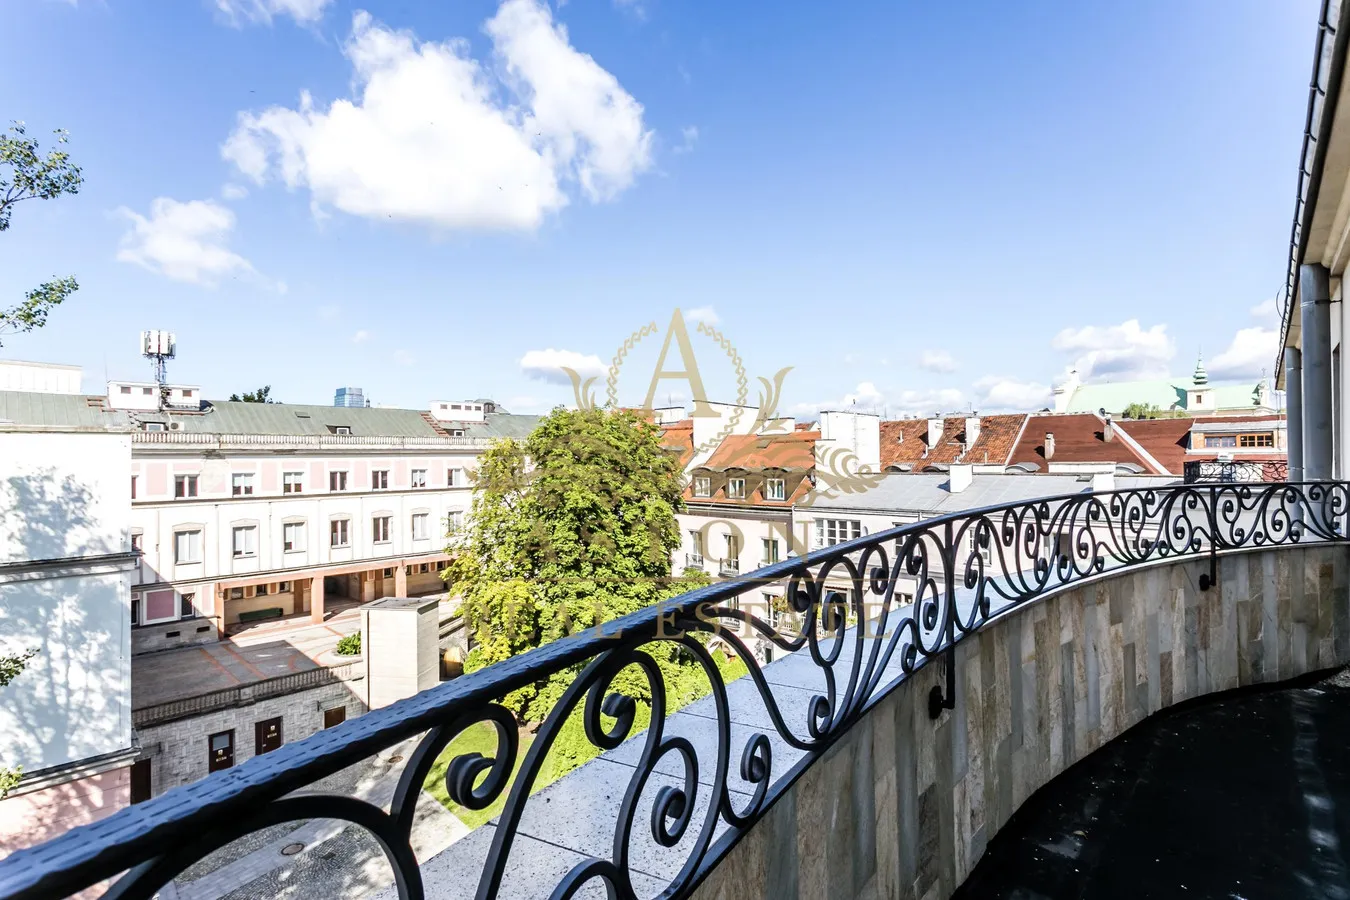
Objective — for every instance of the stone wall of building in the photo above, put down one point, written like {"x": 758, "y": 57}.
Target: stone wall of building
{"x": 178, "y": 751}
{"x": 903, "y": 806}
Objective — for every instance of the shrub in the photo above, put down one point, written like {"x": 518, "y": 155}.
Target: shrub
{"x": 350, "y": 645}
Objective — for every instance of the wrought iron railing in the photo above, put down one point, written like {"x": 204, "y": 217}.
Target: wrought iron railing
{"x": 842, "y": 619}
{"x": 1198, "y": 471}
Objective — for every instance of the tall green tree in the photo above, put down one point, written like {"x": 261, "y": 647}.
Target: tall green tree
{"x": 25, "y": 174}
{"x": 570, "y": 528}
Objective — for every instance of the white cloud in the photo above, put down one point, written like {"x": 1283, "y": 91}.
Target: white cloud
{"x": 1250, "y": 355}
{"x": 867, "y": 397}
{"x": 937, "y": 361}
{"x": 637, "y": 8}
{"x": 926, "y": 402}
{"x": 688, "y": 138}
{"x": 995, "y": 393}
{"x": 184, "y": 241}
{"x": 233, "y": 191}
{"x": 361, "y": 337}
{"x": 1120, "y": 352}
{"x": 547, "y": 365}
{"x": 431, "y": 137}
{"x": 404, "y": 358}
{"x": 305, "y": 12}
{"x": 1266, "y": 311}
{"x": 705, "y": 314}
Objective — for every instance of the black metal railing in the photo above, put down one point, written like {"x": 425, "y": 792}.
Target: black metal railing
{"x": 1235, "y": 471}
{"x": 841, "y": 616}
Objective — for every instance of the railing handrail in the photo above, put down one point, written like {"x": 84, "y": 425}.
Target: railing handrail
{"x": 1192, "y": 521}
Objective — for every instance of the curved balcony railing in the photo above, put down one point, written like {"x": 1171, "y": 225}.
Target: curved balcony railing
{"x": 961, "y": 570}
{"x": 1199, "y": 471}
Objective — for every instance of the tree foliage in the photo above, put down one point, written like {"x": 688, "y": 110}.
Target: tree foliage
{"x": 1142, "y": 411}
{"x": 261, "y": 395}
{"x": 10, "y": 668}
{"x": 27, "y": 175}
{"x": 570, "y": 528}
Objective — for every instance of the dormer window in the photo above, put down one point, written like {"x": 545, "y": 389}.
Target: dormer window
{"x": 340, "y": 429}
{"x": 702, "y": 486}
{"x": 773, "y": 489}
{"x": 735, "y": 488}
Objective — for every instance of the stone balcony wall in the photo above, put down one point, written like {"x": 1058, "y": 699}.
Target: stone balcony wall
{"x": 902, "y": 806}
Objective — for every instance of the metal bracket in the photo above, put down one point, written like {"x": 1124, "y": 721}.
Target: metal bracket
{"x": 937, "y": 702}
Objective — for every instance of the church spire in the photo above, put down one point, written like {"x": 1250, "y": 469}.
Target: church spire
{"x": 1201, "y": 377}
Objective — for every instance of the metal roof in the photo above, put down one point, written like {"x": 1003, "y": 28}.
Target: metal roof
{"x": 927, "y": 493}
{"x": 65, "y": 411}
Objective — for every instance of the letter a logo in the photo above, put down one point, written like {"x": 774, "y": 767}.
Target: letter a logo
{"x": 689, "y": 373}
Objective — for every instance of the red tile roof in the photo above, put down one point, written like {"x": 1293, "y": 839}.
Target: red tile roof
{"x": 1078, "y": 439}
{"x": 679, "y": 436}
{"x": 795, "y": 451}
{"x": 1166, "y": 439}
{"x": 905, "y": 441}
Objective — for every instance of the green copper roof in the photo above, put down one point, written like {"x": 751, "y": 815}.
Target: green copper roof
{"x": 1163, "y": 393}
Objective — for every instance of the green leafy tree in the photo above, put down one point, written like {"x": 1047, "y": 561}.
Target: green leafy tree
{"x": 10, "y": 668}
{"x": 261, "y": 395}
{"x": 570, "y": 528}
{"x": 1142, "y": 411}
{"x": 27, "y": 175}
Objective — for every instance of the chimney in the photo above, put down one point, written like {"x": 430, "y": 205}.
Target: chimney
{"x": 972, "y": 431}
{"x": 1049, "y": 445}
{"x": 1108, "y": 429}
{"x": 1103, "y": 481}
{"x": 959, "y": 477}
{"x": 934, "y": 431}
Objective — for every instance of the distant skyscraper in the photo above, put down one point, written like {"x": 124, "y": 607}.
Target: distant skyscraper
{"x": 349, "y": 396}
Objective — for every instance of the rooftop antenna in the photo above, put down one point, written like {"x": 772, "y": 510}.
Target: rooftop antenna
{"x": 159, "y": 347}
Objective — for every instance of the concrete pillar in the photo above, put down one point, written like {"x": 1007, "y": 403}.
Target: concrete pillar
{"x": 401, "y": 580}
{"x": 316, "y": 598}
{"x": 1293, "y": 386}
{"x": 367, "y": 587}
{"x": 1315, "y": 312}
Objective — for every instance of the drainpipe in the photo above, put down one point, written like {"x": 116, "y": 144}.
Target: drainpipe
{"x": 1315, "y": 309}
{"x": 1293, "y": 382}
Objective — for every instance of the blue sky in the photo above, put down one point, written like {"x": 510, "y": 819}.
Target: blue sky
{"x": 917, "y": 206}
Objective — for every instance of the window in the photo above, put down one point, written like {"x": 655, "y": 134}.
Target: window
{"x": 126, "y": 389}
{"x": 340, "y": 429}
{"x": 260, "y": 590}
{"x": 135, "y": 609}
{"x": 221, "y": 754}
{"x": 292, "y": 537}
{"x": 187, "y": 547}
{"x": 292, "y": 482}
{"x": 419, "y": 478}
{"x": 245, "y": 541}
{"x": 380, "y": 529}
{"x": 835, "y": 531}
{"x": 267, "y": 736}
{"x": 335, "y": 716}
{"x": 283, "y": 587}
{"x": 773, "y": 489}
{"x": 133, "y": 487}
{"x": 419, "y": 526}
{"x": 338, "y": 535}
{"x": 702, "y": 486}
{"x": 772, "y": 613}
{"x": 454, "y": 521}
{"x": 337, "y": 481}
{"x": 733, "y": 546}
{"x": 696, "y": 543}
{"x": 241, "y": 484}
{"x": 138, "y": 543}
{"x": 1256, "y": 440}
{"x": 187, "y": 606}
{"x": 770, "y": 550}
{"x": 187, "y": 395}
{"x": 388, "y": 573}
{"x": 454, "y": 477}
{"x": 735, "y": 488}
{"x": 184, "y": 486}
{"x": 154, "y": 426}
{"x": 147, "y": 391}
{"x": 379, "y": 480}
{"x": 1220, "y": 440}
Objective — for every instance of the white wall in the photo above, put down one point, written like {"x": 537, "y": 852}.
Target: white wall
{"x": 64, "y": 502}
{"x": 45, "y": 378}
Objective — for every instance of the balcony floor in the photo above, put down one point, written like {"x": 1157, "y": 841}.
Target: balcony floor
{"x": 1245, "y": 797}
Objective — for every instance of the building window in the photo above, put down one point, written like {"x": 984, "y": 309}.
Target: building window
{"x": 187, "y": 395}
{"x": 283, "y": 587}
{"x": 335, "y": 716}
{"x": 733, "y": 546}
{"x": 770, "y": 550}
{"x": 773, "y": 489}
{"x": 260, "y": 590}
{"x": 735, "y": 488}
{"x": 133, "y": 487}
{"x": 137, "y": 542}
{"x": 340, "y": 429}
{"x": 338, "y": 535}
{"x": 380, "y": 529}
{"x": 184, "y": 486}
{"x": 245, "y": 541}
{"x": 154, "y": 426}
{"x": 696, "y": 543}
{"x": 292, "y": 536}
{"x": 337, "y": 481}
{"x": 454, "y": 521}
{"x": 454, "y": 477}
{"x": 772, "y": 613}
{"x": 187, "y": 547}
{"x": 1256, "y": 440}
{"x": 835, "y": 531}
{"x": 379, "y": 480}
{"x": 147, "y": 391}
{"x": 241, "y": 484}
{"x": 419, "y": 478}
{"x": 126, "y": 389}
{"x": 702, "y": 486}
{"x": 187, "y": 606}
{"x": 419, "y": 526}
{"x": 292, "y": 482}
{"x": 135, "y": 609}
